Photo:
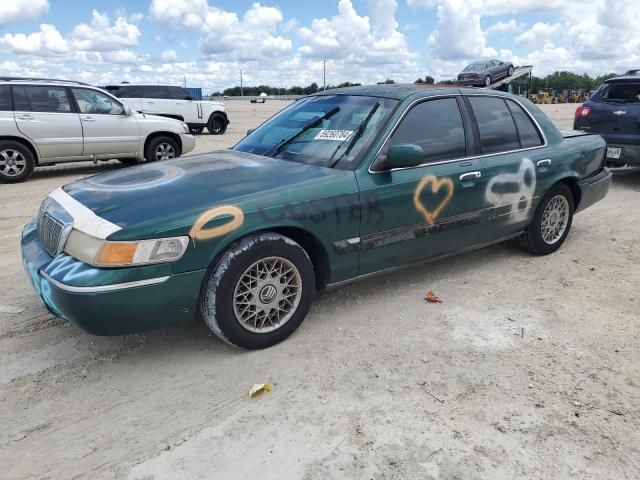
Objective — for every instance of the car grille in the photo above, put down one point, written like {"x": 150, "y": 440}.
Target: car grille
{"x": 50, "y": 232}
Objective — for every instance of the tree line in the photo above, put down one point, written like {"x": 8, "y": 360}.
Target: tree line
{"x": 558, "y": 80}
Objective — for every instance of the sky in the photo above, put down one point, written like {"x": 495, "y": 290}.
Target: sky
{"x": 206, "y": 43}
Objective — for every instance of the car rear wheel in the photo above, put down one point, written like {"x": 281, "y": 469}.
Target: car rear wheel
{"x": 217, "y": 124}
{"x": 551, "y": 222}
{"x": 161, "y": 148}
{"x": 259, "y": 291}
{"x": 16, "y": 162}
{"x": 487, "y": 80}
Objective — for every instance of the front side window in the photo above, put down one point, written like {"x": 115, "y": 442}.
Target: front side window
{"x": 436, "y": 126}
{"x": 322, "y": 130}
{"x": 5, "y": 98}
{"x": 41, "y": 99}
{"x": 179, "y": 93}
{"x": 91, "y": 101}
{"x": 157, "y": 91}
{"x": 125, "y": 91}
{"x": 497, "y": 130}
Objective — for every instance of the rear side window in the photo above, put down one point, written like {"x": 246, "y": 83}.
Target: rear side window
{"x": 497, "y": 130}
{"x": 126, "y": 91}
{"x": 157, "y": 91}
{"x": 5, "y": 98}
{"x": 41, "y": 99}
{"x": 436, "y": 126}
{"x": 621, "y": 92}
{"x": 527, "y": 131}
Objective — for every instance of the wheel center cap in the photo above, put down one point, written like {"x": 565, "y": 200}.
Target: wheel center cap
{"x": 268, "y": 293}
{"x": 554, "y": 219}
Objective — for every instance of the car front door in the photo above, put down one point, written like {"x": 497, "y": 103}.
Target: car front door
{"x": 47, "y": 116}
{"x": 107, "y": 129}
{"x": 516, "y": 165}
{"x": 411, "y": 214}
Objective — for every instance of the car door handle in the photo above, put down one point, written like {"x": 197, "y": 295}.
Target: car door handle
{"x": 25, "y": 116}
{"x": 88, "y": 119}
{"x": 465, "y": 177}
{"x": 544, "y": 163}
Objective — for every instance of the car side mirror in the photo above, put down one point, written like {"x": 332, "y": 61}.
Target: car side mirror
{"x": 127, "y": 110}
{"x": 250, "y": 131}
{"x": 188, "y": 97}
{"x": 404, "y": 155}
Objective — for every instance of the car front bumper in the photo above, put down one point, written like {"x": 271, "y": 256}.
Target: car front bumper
{"x": 188, "y": 142}
{"x": 594, "y": 189}
{"x": 109, "y": 301}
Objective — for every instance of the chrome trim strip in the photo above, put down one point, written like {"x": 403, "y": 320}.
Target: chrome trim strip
{"x": 460, "y": 159}
{"x": 83, "y": 218}
{"x": 104, "y": 288}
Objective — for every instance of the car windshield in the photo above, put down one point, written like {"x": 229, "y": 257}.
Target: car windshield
{"x": 474, "y": 67}
{"x": 323, "y": 130}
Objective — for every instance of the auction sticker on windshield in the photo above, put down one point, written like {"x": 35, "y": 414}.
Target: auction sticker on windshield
{"x": 337, "y": 135}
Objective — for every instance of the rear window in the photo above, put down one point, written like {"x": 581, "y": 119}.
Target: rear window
{"x": 527, "y": 131}
{"x": 620, "y": 92}
{"x": 496, "y": 126}
{"x": 5, "y": 98}
{"x": 41, "y": 99}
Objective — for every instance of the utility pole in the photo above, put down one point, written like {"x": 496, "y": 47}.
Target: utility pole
{"x": 241, "y": 91}
{"x": 324, "y": 73}
{"x": 185, "y": 81}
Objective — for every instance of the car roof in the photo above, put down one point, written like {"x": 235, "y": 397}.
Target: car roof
{"x": 402, "y": 91}
{"x": 41, "y": 81}
{"x": 624, "y": 78}
{"x": 118, "y": 85}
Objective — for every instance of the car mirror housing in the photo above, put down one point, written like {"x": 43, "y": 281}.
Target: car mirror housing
{"x": 127, "y": 110}
{"x": 404, "y": 155}
{"x": 188, "y": 97}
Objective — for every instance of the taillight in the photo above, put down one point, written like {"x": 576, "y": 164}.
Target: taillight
{"x": 582, "y": 111}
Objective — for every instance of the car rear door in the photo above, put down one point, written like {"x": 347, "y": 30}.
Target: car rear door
{"x": 411, "y": 214}
{"x": 106, "y": 128}
{"x": 157, "y": 100}
{"x": 516, "y": 164}
{"x": 46, "y": 114}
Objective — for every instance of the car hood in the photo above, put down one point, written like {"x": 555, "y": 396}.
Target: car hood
{"x": 168, "y": 196}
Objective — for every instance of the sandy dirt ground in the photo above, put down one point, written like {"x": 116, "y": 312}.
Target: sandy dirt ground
{"x": 530, "y": 369}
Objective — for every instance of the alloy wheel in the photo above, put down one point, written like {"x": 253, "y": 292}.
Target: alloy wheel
{"x": 555, "y": 219}
{"x": 267, "y": 294}
{"x": 12, "y": 163}
{"x": 165, "y": 151}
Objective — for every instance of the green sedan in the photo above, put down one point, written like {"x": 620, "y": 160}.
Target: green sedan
{"x": 337, "y": 187}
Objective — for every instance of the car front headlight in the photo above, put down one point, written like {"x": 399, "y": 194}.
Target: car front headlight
{"x": 185, "y": 127}
{"x": 104, "y": 253}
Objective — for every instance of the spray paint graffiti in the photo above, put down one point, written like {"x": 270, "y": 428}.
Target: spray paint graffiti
{"x": 200, "y": 233}
{"x": 430, "y": 216}
{"x": 515, "y": 190}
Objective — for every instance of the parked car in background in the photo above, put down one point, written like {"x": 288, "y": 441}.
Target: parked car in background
{"x": 613, "y": 111}
{"x": 44, "y": 122}
{"x": 340, "y": 185}
{"x": 174, "y": 102}
{"x": 485, "y": 72}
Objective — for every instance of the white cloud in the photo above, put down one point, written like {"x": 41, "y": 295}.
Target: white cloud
{"x": 179, "y": 14}
{"x": 538, "y": 34}
{"x": 100, "y": 35}
{"x": 45, "y": 42}
{"x": 512, "y": 26}
{"x": 17, "y": 10}
{"x": 169, "y": 56}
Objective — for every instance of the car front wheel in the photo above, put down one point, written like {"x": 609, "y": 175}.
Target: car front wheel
{"x": 487, "y": 80}
{"x": 551, "y": 222}
{"x": 258, "y": 292}
{"x": 217, "y": 124}
{"x": 161, "y": 148}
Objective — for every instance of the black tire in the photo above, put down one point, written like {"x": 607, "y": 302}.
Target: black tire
{"x": 510, "y": 71}
{"x": 16, "y": 162}
{"x": 128, "y": 161}
{"x": 216, "y": 304}
{"x": 217, "y": 124}
{"x": 487, "y": 80}
{"x": 152, "y": 149}
{"x": 532, "y": 239}
{"x": 196, "y": 130}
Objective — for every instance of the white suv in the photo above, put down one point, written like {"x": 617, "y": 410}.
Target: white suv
{"x": 43, "y": 122}
{"x": 174, "y": 102}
